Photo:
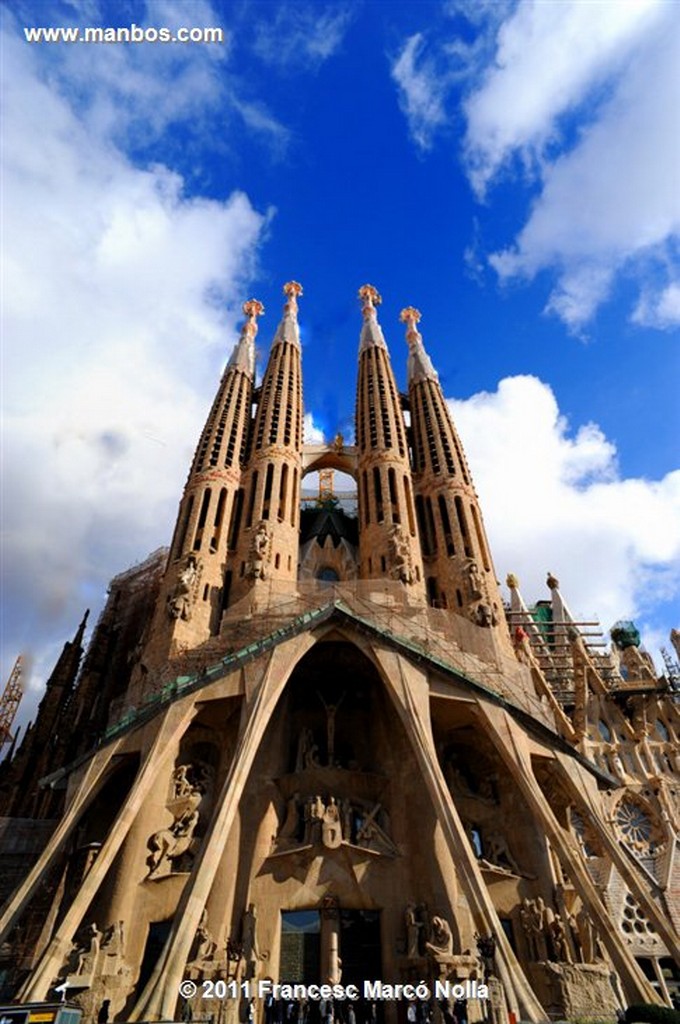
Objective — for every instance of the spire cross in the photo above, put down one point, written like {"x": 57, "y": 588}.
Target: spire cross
{"x": 291, "y": 290}
{"x": 251, "y": 309}
{"x": 370, "y": 297}
{"x": 411, "y": 316}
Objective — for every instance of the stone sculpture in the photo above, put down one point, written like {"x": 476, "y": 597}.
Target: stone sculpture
{"x": 260, "y": 552}
{"x": 181, "y": 597}
{"x": 413, "y": 929}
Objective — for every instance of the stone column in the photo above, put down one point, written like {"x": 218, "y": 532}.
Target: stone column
{"x": 510, "y": 742}
{"x": 174, "y": 722}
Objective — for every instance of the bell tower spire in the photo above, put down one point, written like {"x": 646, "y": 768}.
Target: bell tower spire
{"x": 388, "y": 543}
{"x": 192, "y": 594}
{"x": 268, "y": 541}
{"x": 458, "y": 566}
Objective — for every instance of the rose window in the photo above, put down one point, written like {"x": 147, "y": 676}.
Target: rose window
{"x": 636, "y": 826}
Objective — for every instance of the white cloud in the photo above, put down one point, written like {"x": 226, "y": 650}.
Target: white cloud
{"x": 582, "y": 98}
{"x": 659, "y": 309}
{"x": 299, "y": 36}
{"x": 120, "y": 307}
{"x": 547, "y": 57}
{"x": 555, "y": 500}
{"x": 609, "y": 202}
{"x": 311, "y": 433}
{"x": 422, "y": 91}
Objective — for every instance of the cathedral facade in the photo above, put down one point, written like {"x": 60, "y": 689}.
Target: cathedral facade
{"x": 312, "y": 744}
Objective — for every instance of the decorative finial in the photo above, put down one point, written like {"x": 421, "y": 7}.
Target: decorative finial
{"x": 292, "y": 289}
{"x": 370, "y": 297}
{"x": 411, "y": 316}
{"x": 552, "y": 581}
{"x": 252, "y": 309}
{"x": 511, "y": 581}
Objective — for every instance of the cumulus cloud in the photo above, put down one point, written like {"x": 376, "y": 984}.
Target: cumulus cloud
{"x": 582, "y": 100}
{"x": 548, "y": 56}
{"x": 120, "y": 307}
{"x": 613, "y": 199}
{"x": 312, "y": 433}
{"x": 554, "y": 499}
{"x": 301, "y": 37}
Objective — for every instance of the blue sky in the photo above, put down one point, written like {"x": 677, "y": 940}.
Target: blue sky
{"x": 510, "y": 168}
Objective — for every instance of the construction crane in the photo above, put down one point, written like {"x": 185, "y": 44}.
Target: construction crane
{"x": 9, "y": 703}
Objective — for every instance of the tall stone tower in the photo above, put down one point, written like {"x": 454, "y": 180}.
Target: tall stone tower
{"x": 192, "y": 596}
{"x": 337, "y": 767}
{"x": 388, "y": 542}
{"x": 268, "y": 542}
{"x": 458, "y": 565}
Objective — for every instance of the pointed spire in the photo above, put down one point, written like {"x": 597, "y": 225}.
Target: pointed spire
{"x": 243, "y": 356}
{"x": 419, "y": 364}
{"x": 371, "y": 332}
{"x": 288, "y": 330}
{"x": 78, "y": 638}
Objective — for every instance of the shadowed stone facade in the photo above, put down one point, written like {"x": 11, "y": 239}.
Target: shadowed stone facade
{"x": 317, "y": 747}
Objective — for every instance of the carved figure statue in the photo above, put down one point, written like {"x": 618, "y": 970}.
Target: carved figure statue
{"x": 180, "y": 599}
{"x": 413, "y": 929}
{"x": 89, "y": 952}
{"x": 249, "y": 947}
{"x": 400, "y": 555}
{"x": 315, "y": 810}
{"x": 532, "y": 917}
{"x": 289, "y": 827}
{"x": 485, "y": 616}
{"x": 441, "y": 941}
{"x": 486, "y": 947}
{"x": 331, "y": 829}
{"x": 587, "y": 936}
{"x": 558, "y": 934}
{"x": 169, "y": 844}
{"x": 182, "y": 786}
{"x": 259, "y": 553}
{"x": 307, "y": 751}
{"x": 331, "y": 711}
{"x": 497, "y": 852}
{"x": 475, "y": 585}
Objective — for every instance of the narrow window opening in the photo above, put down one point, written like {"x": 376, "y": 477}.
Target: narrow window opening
{"x": 202, "y": 516}
{"x": 432, "y": 591}
{"x": 394, "y": 501}
{"x": 377, "y": 487}
{"x": 462, "y": 523}
{"x": 409, "y": 507}
{"x": 219, "y": 519}
{"x": 383, "y": 564}
{"x": 206, "y": 591}
{"x": 234, "y": 525}
{"x": 282, "y": 493}
{"x": 277, "y": 561}
{"x": 446, "y": 526}
{"x": 459, "y": 599}
{"x": 294, "y": 499}
{"x": 251, "y": 500}
{"x": 267, "y": 497}
{"x": 429, "y": 525}
{"x": 182, "y": 534}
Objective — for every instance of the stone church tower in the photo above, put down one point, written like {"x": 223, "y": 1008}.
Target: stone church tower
{"x": 315, "y": 745}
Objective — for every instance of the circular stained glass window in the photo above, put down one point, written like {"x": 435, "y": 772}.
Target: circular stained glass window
{"x": 635, "y": 825}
